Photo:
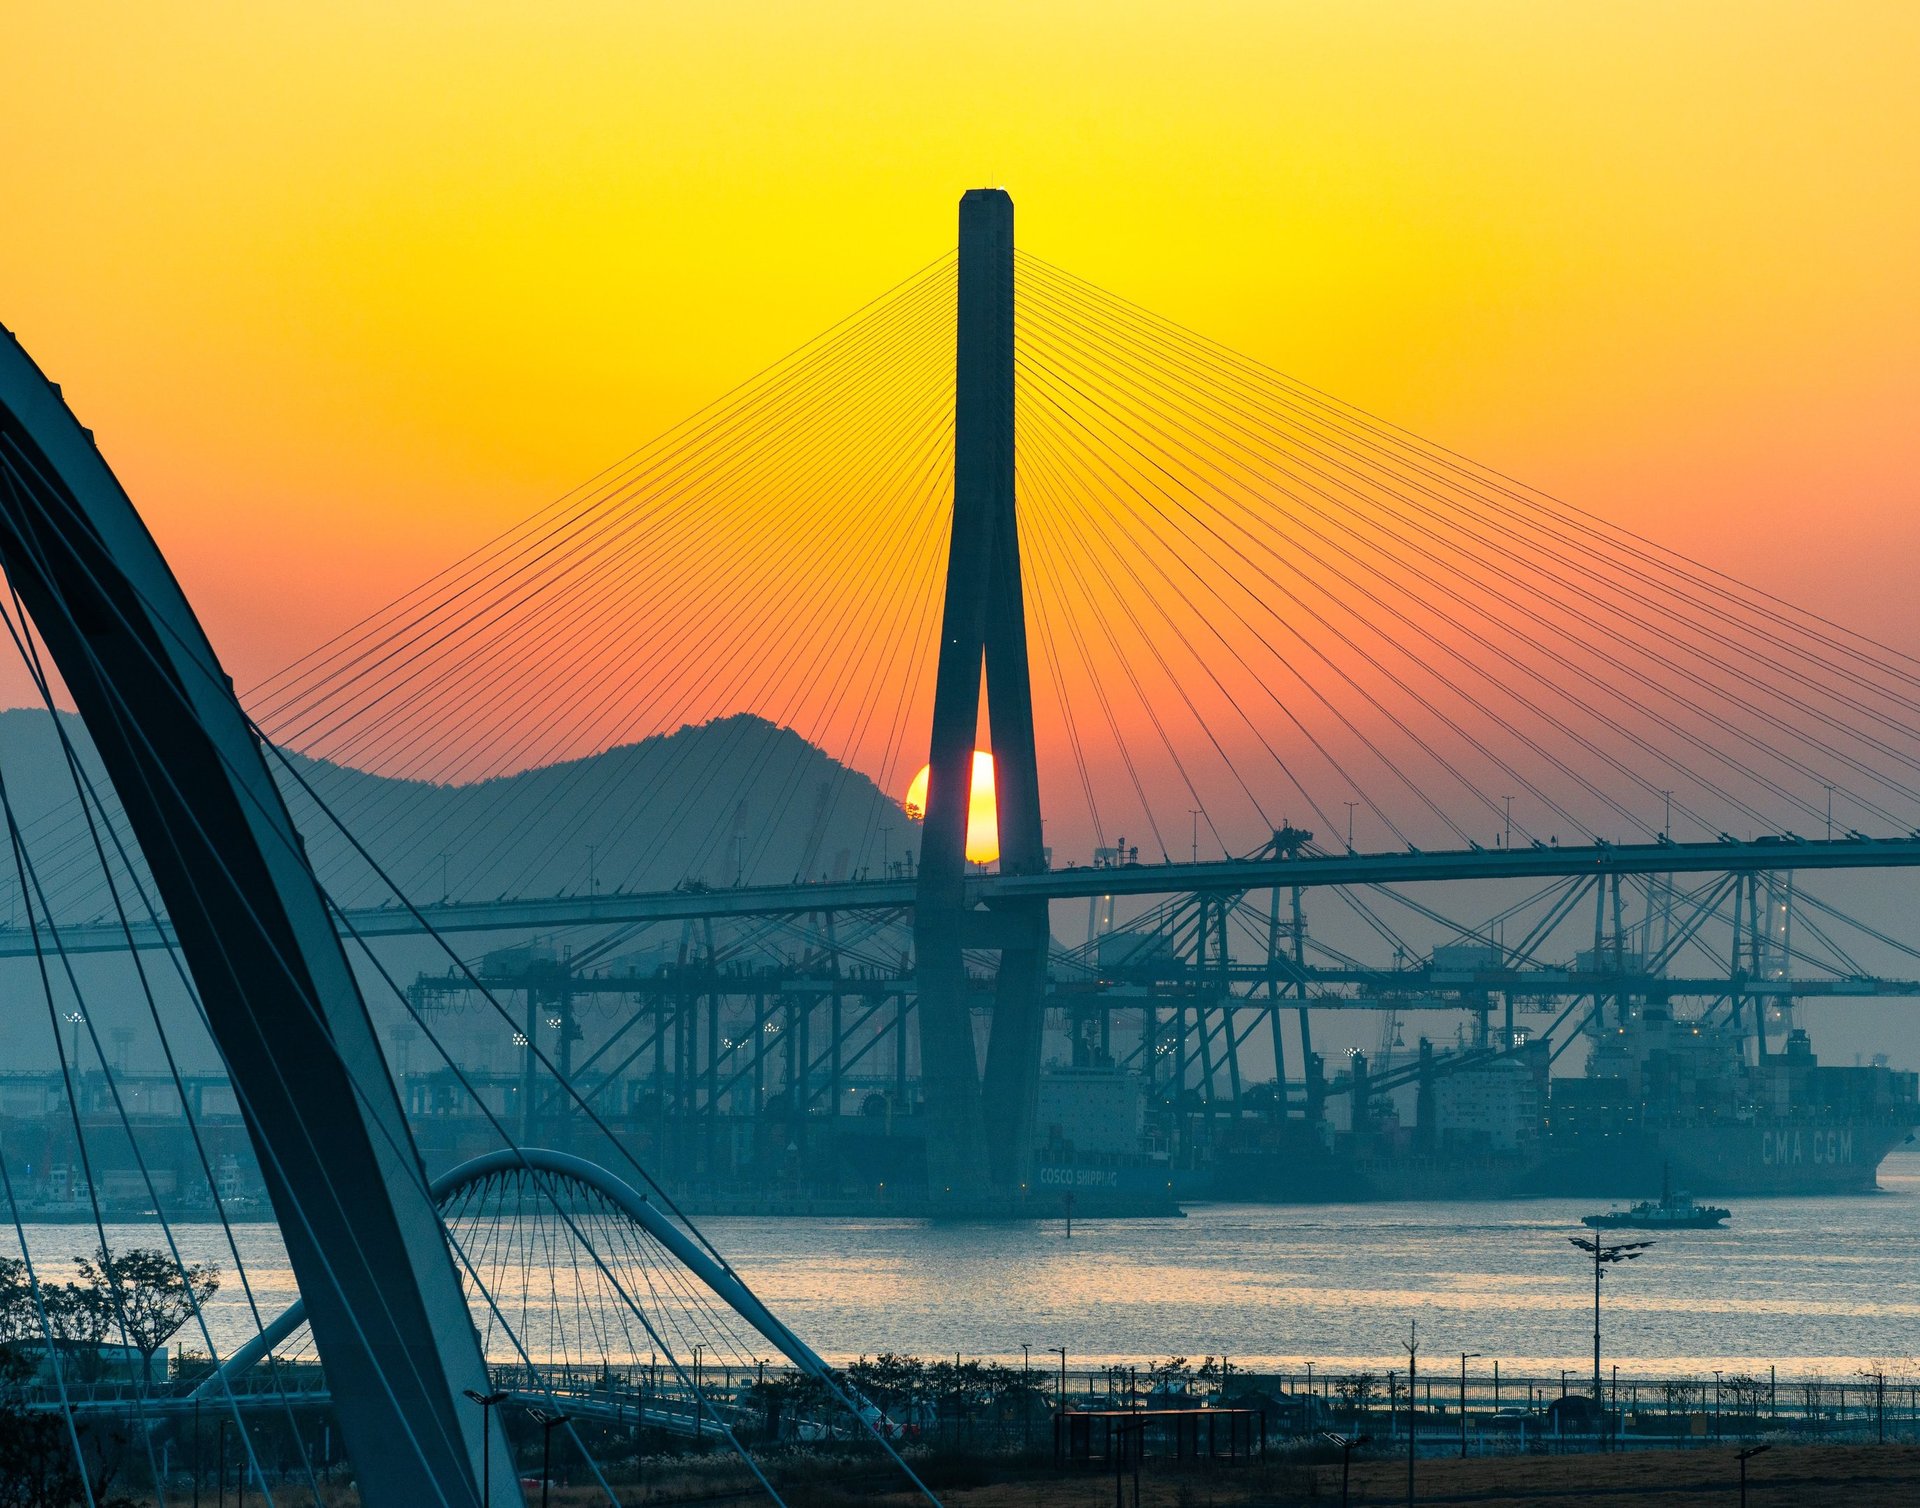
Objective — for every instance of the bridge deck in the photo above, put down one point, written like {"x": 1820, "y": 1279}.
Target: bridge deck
{"x": 1402, "y": 867}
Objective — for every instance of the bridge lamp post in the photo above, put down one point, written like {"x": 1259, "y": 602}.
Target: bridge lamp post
{"x": 488, "y": 1403}
{"x": 548, "y": 1423}
{"x": 1605, "y": 1253}
{"x": 1346, "y": 1444}
{"x": 1465, "y": 1356}
{"x": 1026, "y": 1381}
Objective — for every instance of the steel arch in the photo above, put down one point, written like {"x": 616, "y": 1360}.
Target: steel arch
{"x": 287, "y": 1015}
{"x": 578, "y": 1170}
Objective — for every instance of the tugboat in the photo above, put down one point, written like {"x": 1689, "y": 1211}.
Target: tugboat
{"x": 1672, "y": 1212}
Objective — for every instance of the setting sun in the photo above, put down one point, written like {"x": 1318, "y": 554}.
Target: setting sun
{"x": 983, "y": 822}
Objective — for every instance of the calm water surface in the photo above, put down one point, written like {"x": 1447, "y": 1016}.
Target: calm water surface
{"x": 1809, "y": 1285}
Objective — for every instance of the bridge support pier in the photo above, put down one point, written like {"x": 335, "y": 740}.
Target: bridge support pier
{"x": 980, "y": 1138}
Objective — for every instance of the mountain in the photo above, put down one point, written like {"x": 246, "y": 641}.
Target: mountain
{"x": 739, "y": 799}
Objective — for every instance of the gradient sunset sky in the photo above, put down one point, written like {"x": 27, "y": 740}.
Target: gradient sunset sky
{"x": 345, "y": 289}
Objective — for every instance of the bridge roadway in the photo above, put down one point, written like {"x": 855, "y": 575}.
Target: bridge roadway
{"x": 1213, "y": 876}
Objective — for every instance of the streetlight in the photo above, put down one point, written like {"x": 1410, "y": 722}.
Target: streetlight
{"x": 1742, "y": 1458}
{"x": 77, "y": 1020}
{"x": 1412, "y": 1348}
{"x": 1346, "y": 1444}
{"x": 1026, "y": 1381}
{"x": 548, "y": 1424}
{"x": 488, "y": 1402}
{"x": 1604, "y": 1253}
{"x": 1464, "y": 1356}
{"x": 1061, "y": 1352}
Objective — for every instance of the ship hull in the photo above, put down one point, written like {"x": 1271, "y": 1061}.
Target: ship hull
{"x": 1752, "y": 1159}
{"x": 1746, "y": 1159}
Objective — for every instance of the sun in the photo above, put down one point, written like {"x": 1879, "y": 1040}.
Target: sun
{"x": 983, "y": 818}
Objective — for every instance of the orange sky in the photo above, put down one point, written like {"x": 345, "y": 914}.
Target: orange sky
{"x": 346, "y": 289}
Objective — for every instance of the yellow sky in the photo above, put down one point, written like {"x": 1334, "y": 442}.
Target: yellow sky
{"x": 343, "y": 289}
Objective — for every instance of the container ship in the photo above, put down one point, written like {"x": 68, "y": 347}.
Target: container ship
{"x": 1662, "y": 1097}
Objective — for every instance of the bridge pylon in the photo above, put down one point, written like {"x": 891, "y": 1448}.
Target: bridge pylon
{"x": 980, "y": 1129}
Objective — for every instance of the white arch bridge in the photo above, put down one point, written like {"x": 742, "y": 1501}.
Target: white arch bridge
{"x": 589, "y": 1298}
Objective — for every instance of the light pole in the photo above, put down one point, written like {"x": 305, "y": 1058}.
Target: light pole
{"x": 548, "y": 1424}
{"x": 1346, "y": 1444}
{"x": 1604, "y": 1254}
{"x": 1743, "y": 1457}
{"x": 1061, "y": 1352}
{"x": 1026, "y": 1382}
{"x": 1464, "y": 1356}
{"x": 1413, "y": 1404}
{"x": 488, "y": 1403}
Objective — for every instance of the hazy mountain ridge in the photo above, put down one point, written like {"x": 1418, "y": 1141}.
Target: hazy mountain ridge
{"x": 738, "y": 799}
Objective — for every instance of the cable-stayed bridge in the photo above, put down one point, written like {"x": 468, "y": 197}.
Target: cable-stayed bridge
{"x": 1218, "y": 600}
{"x": 1195, "y": 600}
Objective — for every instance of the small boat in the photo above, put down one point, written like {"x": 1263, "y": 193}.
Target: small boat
{"x": 1671, "y": 1212}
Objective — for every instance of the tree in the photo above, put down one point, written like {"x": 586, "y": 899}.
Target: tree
{"x": 1819, "y": 1399}
{"x": 1682, "y": 1395}
{"x": 79, "y": 1317}
{"x": 148, "y": 1294}
{"x": 19, "y": 1315}
{"x": 1171, "y": 1376}
{"x": 1744, "y": 1394}
{"x": 40, "y": 1469}
{"x": 889, "y": 1379}
{"x": 1357, "y": 1392}
{"x": 37, "y": 1465}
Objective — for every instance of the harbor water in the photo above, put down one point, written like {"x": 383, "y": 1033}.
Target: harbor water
{"x": 1814, "y": 1287}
